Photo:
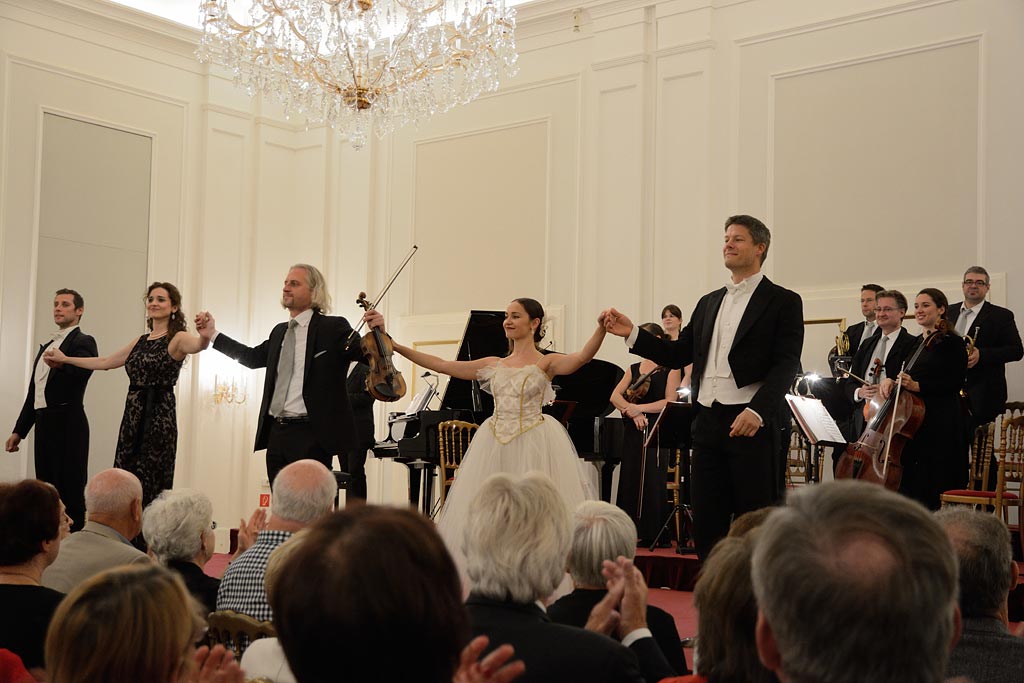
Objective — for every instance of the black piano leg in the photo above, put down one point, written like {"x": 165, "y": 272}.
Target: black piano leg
{"x": 414, "y": 486}
{"x": 428, "y": 489}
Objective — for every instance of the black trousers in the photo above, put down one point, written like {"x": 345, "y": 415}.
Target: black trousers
{"x": 62, "y": 456}
{"x": 291, "y": 442}
{"x": 355, "y": 465}
{"x": 731, "y": 475}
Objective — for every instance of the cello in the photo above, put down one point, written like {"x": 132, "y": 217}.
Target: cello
{"x": 875, "y": 455}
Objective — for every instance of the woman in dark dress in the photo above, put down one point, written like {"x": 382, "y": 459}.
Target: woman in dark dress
{"x": 638, "y": 417}
{"x": 936, "y": 459}
{"x": 148, "y": 440}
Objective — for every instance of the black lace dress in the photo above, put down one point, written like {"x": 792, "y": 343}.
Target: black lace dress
{"x": 148, "y": 440}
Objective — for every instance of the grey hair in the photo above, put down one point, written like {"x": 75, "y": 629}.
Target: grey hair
{"x": 516, "y": 538}
{"x": 320, "y": 298}
{"x": 874, "y": 557}
{"x": 982, "y": 545}
{"x": 173, "y": 524}
{"x": 304, "y": 491}
{"x": 111, "y": 492}
{"x": 601, "y": 531}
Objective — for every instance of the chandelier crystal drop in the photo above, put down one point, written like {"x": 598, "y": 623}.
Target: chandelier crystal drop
{"x": 360, "y": 64}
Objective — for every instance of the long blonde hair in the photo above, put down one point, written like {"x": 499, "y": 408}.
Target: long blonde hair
{"x": 125, "y": 624}
{"x": 320, "y": 298}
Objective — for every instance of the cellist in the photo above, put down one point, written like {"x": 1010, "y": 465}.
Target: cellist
{"x": 935, "y": 460}
{"x": 891, "y": 344}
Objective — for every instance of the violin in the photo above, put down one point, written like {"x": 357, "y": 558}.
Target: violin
{"x": 875, "y": 456}
{"x": 638, "y": 389}
{"x": 383, "y": 381}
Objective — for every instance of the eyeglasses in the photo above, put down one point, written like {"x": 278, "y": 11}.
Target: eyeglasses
{"x": 972, "y": 283}
{"x": 886, "y": 309}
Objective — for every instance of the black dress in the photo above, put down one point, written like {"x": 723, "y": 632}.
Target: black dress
{"x": 936, "y": 459}
{"x": 148, "y": 440}
{"x": 649, "y": 518}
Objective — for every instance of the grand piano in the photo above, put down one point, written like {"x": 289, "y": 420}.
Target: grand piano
{"x": 581, "y": 404}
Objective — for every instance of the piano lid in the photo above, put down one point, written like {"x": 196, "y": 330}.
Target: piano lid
{"x": 484, "y": 336}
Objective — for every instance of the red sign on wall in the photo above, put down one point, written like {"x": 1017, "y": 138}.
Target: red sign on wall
{"x": 264, "y": 500}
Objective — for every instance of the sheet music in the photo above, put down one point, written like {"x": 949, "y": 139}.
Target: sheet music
{"x": 815, "y": 420}
{"x": 420, "y": 401}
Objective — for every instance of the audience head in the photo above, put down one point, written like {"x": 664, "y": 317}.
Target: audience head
{"x": 178, "y": 525}
{"x": 134, "y": 623}
{"x": 363, "y": 580}
{"x": 748, "y": 521}
{"x": 516, "y": 538}
{"x": 32, "y": 523}
{"x": 987, "y": 571}
{"x": 846, "y": 570}
{"x": 279, "y": 556}
{"x": 601, "y": 531}
{"x": 654, "y": 329}
{"x": 114, "y": 497}
{"x": 304, "y": 491}
{"x": 727, "y": 614}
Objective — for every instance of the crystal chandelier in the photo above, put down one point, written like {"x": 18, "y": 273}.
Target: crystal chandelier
{"x": 360, "y": 64}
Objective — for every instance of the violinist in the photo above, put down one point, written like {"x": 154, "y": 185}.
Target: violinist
{"x": 640, "y": 396}
{"x": 890, "y": 344}
{"x": 935, "y": 460}
{"x": 672, "y": 323}
{"x": 305, "y": 411}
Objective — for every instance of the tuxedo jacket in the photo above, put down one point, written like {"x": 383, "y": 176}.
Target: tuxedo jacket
{"x": 900, "y": 352}
{"x": 323, "y": 382}
{"x": 998, "y": 343}
{"x": 556, "y": 653}
{"x": 766, "y": 348}
{"x": 65, "y": 386}
{"x": 855, "y": 333}
{"x": 574, "y": 610}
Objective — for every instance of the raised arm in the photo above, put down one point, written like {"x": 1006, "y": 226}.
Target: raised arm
{"x": 55, "y": 358}
{"x": 571, "y": 362}
{"x": 185, "y": 343}
{"x": 460, "y": 369}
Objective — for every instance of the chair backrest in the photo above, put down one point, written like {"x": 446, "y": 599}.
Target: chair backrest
{"x": 232, "y": 629}
{"x": 981, "y": 456}
{"x": 1011, "y": 459}
{"x": 454, "y": 437}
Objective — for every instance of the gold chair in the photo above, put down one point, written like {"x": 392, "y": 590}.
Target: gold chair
{"x": 227, "y": 626}
{"x": 1010, "y": 461}
{"x": 977, "y": 482}
{"x": 453, "y": 437}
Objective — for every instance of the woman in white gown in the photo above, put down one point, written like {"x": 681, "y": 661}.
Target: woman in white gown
{"x": 518, "y": 438}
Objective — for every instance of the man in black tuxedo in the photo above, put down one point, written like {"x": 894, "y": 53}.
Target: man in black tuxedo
{"x": 996, "y": 343}
{"x": 744, "y": 341}
{"x": 891, "y": 344}
{"x": 54, "y": 406}
{"x": 305, "y": 412}
{"x": 862, "y": 331}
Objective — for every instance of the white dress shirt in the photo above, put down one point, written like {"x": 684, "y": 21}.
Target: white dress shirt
{"x": 877, "y": 353}
{"x": 43, "y": 370}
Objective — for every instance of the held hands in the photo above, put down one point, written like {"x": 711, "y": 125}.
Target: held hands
{"x": 616, "y": 323}
{"x": 206, "y": 325}
{"x": 54, "y": 358}
{"x": 491, "y": 669}
{"x": 745, "y": 424}
{"x": 973, "y": 358}
{"x": 12, "y": 443}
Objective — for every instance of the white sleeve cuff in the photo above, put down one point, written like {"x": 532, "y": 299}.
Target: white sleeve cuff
{"x": 636, "y": 635}
{"x": 633, "y": 334}
{"x": 757, "y": 415}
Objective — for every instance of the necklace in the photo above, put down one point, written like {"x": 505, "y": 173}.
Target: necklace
{"x": 159, "y": 336}
{"x": 34, "y": 581}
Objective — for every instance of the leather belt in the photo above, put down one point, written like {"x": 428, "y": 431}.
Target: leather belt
{"x": 293, "y": 420}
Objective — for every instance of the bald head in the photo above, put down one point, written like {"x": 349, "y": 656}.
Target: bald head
{"x": 304, "y": 491}
{"x": 114, "y": 498}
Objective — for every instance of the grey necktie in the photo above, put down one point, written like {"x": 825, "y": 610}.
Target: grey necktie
{"x": 869, "y": 331}
{"x": 964, "y": 321}
{"x": 880, "y": 354}
{"x": 285, "y": 366}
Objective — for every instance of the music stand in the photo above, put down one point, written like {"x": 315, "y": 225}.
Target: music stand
{"x": 673, "y": 426}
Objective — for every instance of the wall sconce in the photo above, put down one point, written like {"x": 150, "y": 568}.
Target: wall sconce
{"x": 228, "y": 392}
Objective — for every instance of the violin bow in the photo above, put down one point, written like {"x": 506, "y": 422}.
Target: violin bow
{"x": 376, "y": 300}
{"x": 892, "y": 422}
